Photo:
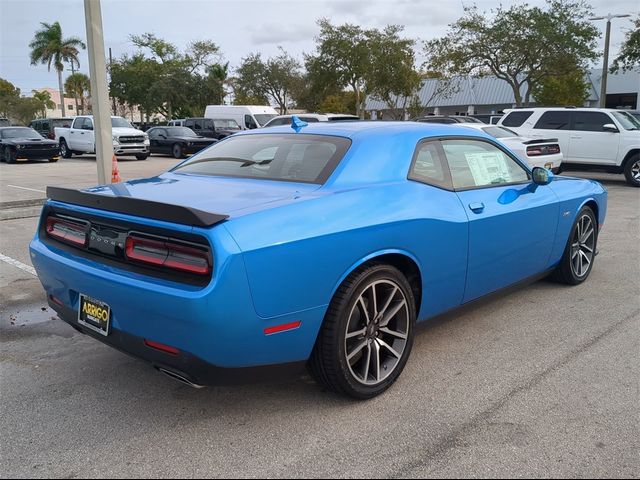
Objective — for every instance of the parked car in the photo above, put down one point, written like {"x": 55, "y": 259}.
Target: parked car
{"x": 247, "y": 116}
{"x": 176, "y": 141}
{"x": 320, "y": 245}
{"x": 537, "y": 152}
{"x": 46, "y": 126}
{"x": 447, "y": 119}
{"x": 176, "y": 123}
{"x": 590, "y": 138}
{"x": 217, "y": 128}
{"x": 19, "y": 144}
{"x": 4, "y": 122}
{"x": 80, "y": 138}
{"x": 311, "y": 118}
{"x": 490, "y": 118}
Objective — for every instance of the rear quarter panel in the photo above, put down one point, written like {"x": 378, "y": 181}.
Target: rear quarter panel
{"x": 297, "y": 255}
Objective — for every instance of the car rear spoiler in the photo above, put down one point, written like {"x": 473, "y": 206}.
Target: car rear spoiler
{"x": 540, "y": 140}
{"x": 136, "y": 206}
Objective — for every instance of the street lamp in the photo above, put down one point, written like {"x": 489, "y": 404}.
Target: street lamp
{"x": 605, "y": 63}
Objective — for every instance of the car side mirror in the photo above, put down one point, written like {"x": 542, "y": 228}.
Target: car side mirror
{"x": 610, "y": 127}
{"x": 541, "y": 176}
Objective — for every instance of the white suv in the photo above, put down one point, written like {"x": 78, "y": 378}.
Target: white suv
{"x": 590, "y": 138}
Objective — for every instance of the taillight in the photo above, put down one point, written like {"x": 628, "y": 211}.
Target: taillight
{"x": 67, "y": 231}
{"x": 536, "y": 150}
{"x": 167, "y": 254}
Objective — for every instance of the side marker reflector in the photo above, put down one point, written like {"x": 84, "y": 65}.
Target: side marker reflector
{"x": 161, "y": 347}
{"x": 282, "y": 328}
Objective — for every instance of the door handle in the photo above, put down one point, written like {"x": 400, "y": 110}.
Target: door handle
{"x": 70, "y": 133}
{"x": 476, "y": 207}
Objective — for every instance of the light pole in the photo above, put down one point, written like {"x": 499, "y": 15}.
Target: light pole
{"x": 605, "y": 62}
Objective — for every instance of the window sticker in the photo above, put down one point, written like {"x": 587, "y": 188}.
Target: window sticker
{"x": 488, "y": 168}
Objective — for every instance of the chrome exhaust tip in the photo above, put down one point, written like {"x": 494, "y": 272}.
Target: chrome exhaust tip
{"x": 178, "y": 377}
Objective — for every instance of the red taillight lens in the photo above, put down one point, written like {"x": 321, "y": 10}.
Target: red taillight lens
{"x": 167, "y": 254}
{"x": 67, "y": 231}
{"x": 543, "y": 150}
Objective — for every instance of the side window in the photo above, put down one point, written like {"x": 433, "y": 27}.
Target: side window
{"x": 78, "y": 122}
{"x": 88, "y": 124}
{"x": 197, "y": 125}
{"x": 208, "y": 124}
{"x": 590, "y": 121}
{"x": 249, "y": 122}
{"x": 558, "y": 120}
{"x": 516, "y": 119}
{"x": 429, "y": 166}
{"x": 44, "y": 126}
{"x": 475, "y": 163}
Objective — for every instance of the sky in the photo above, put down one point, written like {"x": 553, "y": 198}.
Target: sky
{"x": 239, "y": 27}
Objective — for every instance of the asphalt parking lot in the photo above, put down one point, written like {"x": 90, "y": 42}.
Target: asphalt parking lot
{"x": 543, "y": 381}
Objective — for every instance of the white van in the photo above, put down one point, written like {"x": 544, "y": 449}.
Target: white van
{"x": 247, "y": 116}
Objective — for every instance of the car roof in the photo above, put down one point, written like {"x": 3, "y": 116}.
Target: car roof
{"x": 368, "y": 127}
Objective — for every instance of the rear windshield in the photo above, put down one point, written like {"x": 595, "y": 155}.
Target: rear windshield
{"x": 500, "y": 132}
{"x": 293, "y": 157}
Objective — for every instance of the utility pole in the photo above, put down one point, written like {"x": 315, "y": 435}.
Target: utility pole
{"x": 99, "y": 91}
{"x": 75, "y": 97}
{"x": 605, "y": 62}
{"x": 115, "y": 112}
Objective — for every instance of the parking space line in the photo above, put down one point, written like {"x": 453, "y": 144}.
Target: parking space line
{"x": 26, "y": 188}
{"x": 18, "y": 264}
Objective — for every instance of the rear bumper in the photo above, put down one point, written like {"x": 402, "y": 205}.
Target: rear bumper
{"x": 183, "y": 365}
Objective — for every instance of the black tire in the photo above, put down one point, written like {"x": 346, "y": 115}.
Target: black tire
{"x": 9, "y": 155}
{"x": 632, "y": 171}
{"x": 64, "y": 149}
{"x": 142, "y": 157}
{"x": 176, "y": 151}
{"x": 567, "y": 272}
{"x": 329, "y": 364}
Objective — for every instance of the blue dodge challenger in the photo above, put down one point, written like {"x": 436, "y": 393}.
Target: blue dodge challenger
{"x": 312, "y": 245}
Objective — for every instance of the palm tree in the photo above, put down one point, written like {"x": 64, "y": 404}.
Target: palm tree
{"x": 48, "y": 46}
{"x": 44, "y": 98}
{"x": 77, "y": 85}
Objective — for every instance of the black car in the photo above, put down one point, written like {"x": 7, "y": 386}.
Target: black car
{"x": 177, "y": 141}
{"x": 19, "y": 144}
{"x": 447, "y": 119}
{"x": 46, "y": 126}
{"x": 217, "y": 128}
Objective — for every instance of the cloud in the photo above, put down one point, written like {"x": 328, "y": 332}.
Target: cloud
{"x": 270, "y": 35}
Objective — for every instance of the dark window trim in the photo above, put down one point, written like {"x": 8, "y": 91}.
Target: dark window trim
{"x": 524, "y": 166}
{"x": 447, "y": 183}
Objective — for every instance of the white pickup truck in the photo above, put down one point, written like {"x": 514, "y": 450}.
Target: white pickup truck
{"x": 80, "y": 138}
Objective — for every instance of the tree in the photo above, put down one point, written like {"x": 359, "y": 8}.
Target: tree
{"x": 9, "y": 95}
{"x": 570, "y": 89}
{"x": 629, "y": 56}
{"x": 169, "y": 82}
{"x": 391, "y": 77}
{"x": 521, "y": 45}
{"x": 274, "y": 79}
{"x": 25, "y": 109}
{"x": 44, "y": 99}
{"x": 342, "y": 58}
{"x": 48, "y": 47}
{"x": 77, "y": 85}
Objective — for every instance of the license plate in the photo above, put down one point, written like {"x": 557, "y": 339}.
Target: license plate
{"x": 94, "y": 314}
{"x": 548, "y": 166}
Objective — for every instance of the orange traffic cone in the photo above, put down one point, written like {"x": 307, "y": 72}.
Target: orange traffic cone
{"x": 115, "y": 174}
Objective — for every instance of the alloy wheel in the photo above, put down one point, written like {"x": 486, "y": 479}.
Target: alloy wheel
{"x": 635, "y": 170}
{"x": 583, "y": 246}
{"x": 377, "y": 332}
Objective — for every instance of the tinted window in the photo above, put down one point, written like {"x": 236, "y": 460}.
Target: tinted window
{"x": 20, "y": 132}
{"x": 590, "y": 121}
{"x": 554, "y": 121}
{"x": 499, "y": 132}
{"x": 308, "y": 119}
{"x": 249, "y": 122}
{"x": 479, "y": 164}
{"x": 289, "y": 157}
{"x": 516, "y": 119}
{"x": 429, "y": 167}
